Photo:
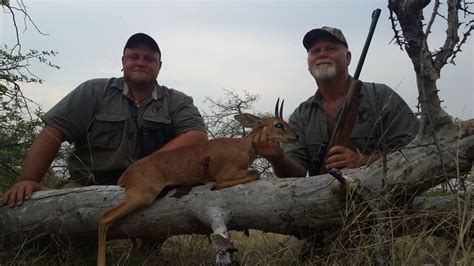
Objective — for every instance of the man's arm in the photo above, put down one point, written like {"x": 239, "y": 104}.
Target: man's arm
{"x": 287, "y": 167}
{"x": 282, "y": 164}
{"x": 185, "y": 139}
{"x": 39, "y": 158}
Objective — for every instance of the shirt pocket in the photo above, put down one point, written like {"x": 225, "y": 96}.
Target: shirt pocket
{"x": 364, "y": 138}
{"x": 154, "y": 133}
{"x": 107, "y": 130}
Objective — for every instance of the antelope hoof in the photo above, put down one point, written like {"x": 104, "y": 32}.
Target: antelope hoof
{"x": 350, "y": 185}
{"x": 223, "y": 244}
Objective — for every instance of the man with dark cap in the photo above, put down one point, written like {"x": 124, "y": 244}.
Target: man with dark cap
{"x": 112, "y": 123}
{"x": 384, "y": 120}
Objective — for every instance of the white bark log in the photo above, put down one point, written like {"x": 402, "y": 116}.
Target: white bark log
{"x": 270, "y": 205}
{"x": 287, "y": 206}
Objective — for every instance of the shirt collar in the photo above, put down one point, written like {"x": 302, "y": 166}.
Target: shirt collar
{"x": 154, "y": 93}
{"x": 317, "y": 96}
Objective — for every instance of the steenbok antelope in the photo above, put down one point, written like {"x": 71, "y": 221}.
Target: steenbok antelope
{"x": 224, "y": 161}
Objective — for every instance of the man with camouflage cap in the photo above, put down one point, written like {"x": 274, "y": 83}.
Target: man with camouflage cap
{"x": 384, "y": 120}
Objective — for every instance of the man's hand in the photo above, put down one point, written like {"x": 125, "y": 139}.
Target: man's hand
{"x": 21, "y": 191}
{"x": 340, "y": 157}
{"x": 283, "y": 165}
{"x": 268, "y": 149}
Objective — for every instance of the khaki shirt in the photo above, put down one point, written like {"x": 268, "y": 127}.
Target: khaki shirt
{"x": 110, "y": 131}
{"x": 384, "y": 122}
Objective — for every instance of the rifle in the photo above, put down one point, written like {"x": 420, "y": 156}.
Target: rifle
{"x": 345, "y": 124}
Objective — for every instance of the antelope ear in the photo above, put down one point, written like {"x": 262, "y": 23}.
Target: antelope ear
{"x": 248, "y": 120}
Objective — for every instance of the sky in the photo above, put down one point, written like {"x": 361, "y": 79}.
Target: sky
{"x": 209, "y": 46}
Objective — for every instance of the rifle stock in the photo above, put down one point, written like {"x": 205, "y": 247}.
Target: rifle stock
{"x": 345, "y": 124}
{"x": 343, "y": 129}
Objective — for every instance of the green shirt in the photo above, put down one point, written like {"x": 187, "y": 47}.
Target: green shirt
{"x": 384, "y": 122}
{"x": 110, "y": 131}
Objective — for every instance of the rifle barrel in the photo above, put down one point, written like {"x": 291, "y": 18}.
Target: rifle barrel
{"x": 345, "y": 123}
{"x": 375, "y": 18}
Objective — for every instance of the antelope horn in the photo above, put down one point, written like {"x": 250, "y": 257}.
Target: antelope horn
{"x": 281, "y": 108}
{"x": 276, "y": 107}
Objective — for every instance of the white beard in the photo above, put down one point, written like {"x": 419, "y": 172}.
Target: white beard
{"x": 324, "y": 73}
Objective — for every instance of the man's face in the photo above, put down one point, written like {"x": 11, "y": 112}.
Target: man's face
{"x": 327, "y": 59}
{"x": 141, "y": 64}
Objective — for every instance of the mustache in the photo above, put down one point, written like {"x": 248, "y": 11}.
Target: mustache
{"x": 139, "y": 69}
{"x": 322, "y": 61}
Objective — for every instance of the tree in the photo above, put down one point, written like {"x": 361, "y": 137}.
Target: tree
{"x": 220, "y": 122}
{"x": 19, "y": 116}
{"x": 411, "y": 35}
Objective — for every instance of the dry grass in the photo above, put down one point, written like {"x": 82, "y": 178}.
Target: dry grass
{"x": 258, "y": 249}
{"x": 429, "y": 237}
{"x": 437, "y": 238}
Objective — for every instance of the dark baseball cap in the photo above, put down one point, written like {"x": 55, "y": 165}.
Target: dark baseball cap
{"x": 142, "y": 38}
{"x": 314, "y": 34}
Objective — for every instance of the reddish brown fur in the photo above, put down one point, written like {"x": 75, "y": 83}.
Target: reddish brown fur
{"x": 224, "y": 161}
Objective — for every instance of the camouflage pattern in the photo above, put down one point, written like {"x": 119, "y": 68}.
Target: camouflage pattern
{"x": 314, "y": 34}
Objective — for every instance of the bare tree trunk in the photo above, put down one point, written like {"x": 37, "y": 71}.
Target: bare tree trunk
{"x": 293, "y": 206}
{"x": 435, "y": 124}
{"x": 410, "y": 16}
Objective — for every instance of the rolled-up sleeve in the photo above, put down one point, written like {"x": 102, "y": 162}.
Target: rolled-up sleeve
{"x": 185, "y": 115}
{"x": 73, "y": 113}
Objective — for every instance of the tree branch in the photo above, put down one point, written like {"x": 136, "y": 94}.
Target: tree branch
{"x": 452, "y": 37}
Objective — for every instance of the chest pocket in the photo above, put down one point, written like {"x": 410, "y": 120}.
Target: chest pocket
{"x": 365, "y": 136}
{"x": 154, "y": 133}
{"x": 106, "y": 130}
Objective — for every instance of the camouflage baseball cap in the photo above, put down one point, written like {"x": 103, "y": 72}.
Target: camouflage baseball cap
{"x": 314, "y": 34}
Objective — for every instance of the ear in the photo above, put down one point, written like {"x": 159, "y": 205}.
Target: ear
{"x": 307, "y": 63}
{"x": 348, "y": 57}
{"x": 160, "y": 64}
{"x": 248, "y": 120}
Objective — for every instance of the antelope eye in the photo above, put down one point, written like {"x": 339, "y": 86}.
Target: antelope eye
{"x": 278, "y": 125}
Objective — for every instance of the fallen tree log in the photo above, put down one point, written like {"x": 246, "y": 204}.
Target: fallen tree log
{"x": 277, "y": 205}
{"x": 294, "y": 206}
{"x": 286, "y": 206}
